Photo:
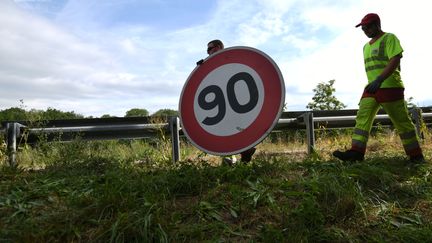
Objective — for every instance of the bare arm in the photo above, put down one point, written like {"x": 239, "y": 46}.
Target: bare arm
{"x": 390, "y": 68}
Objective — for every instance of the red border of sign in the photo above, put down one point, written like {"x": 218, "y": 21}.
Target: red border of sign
{"x": 274, "y": 98}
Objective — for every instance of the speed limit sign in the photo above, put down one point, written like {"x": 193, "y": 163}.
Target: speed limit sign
{"x": 232, "y": 101}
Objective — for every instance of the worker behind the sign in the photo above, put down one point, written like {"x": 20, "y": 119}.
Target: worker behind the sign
{"x": 382, "y": 55}
{"x": 246, "y": 156}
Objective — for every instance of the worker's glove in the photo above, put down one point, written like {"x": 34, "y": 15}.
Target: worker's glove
{"x": 373, "y": 87}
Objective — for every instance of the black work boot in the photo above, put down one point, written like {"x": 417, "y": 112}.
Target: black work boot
{"x": 418, "y": 159}
{"x": 246, "y": 156}
{"x": 349, "y": 155}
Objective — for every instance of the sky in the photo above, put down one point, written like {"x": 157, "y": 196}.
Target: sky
{"x": 98, "y": 57}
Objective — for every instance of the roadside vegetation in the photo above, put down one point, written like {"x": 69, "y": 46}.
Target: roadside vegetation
{"x": 130, "y": 191}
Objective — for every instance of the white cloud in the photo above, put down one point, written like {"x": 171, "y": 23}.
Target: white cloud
{"x": 71, "y": 63}
{"x": 46, "y": 66}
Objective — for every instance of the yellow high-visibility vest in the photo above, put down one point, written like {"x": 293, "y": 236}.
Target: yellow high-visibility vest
{"x": 377, "y": 56}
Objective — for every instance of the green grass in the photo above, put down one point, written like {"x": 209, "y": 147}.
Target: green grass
{"x": 131, "y": 192}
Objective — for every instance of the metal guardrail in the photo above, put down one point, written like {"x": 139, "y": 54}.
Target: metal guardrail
{"x": 134, "y": 128}
{"x": 98, "y": 128}
{"x": 14, "y": 132}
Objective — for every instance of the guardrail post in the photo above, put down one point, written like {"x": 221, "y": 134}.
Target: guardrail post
{"x": 418, "y": 120}
{"x": 174, "y": 128}
{"x": 12, "y": 132}
{"x": 310, "y": 133}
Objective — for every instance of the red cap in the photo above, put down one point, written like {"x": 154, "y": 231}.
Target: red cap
{"x": 369, "y": 18}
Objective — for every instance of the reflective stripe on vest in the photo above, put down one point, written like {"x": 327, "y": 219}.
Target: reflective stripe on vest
{"x": 380, "y": 57}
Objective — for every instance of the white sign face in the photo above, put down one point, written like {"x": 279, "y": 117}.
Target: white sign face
{"x": 232, "y": 101}
{"x": 229, "y": 99}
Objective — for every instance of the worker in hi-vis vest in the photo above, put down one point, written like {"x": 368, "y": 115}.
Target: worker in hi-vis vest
{"x": 246, "y": 156}
{"x": 385, "y": 89}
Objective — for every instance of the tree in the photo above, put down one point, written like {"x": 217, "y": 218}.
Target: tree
{"x": 324, "y": 98}
{"x": 136, "y": 112}
{"x": 54, "y": 114}
{"x": 19, "y": 114}
{"x": 13, "y": 114}
{"x": 165, "y": 112}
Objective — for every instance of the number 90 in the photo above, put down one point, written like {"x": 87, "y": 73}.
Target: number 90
{"x": 219, "y": 99}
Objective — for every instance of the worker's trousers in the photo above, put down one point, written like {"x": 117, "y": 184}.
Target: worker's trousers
{"x": 399, "y": 116}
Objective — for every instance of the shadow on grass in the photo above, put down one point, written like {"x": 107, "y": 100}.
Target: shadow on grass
{"x": 97, "y": 199}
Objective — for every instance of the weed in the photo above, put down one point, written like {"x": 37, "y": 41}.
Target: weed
{"x": 110, "y": 191}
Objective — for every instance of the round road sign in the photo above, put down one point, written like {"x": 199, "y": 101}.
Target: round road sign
{"x": 232, "y": 101}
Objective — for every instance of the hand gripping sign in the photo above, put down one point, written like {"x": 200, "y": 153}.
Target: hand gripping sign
{"x": 232, "y": 101}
